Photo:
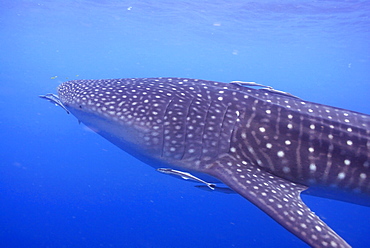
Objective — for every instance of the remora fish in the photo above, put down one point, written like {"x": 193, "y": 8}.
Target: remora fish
{"x": 265, "y": 144}
{"x": 186, "y": 176}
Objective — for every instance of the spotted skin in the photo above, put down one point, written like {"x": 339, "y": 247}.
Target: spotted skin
{"x": 266, "y": 146}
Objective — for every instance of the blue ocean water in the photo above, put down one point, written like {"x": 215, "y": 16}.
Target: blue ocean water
{"x": 62, "y": 185}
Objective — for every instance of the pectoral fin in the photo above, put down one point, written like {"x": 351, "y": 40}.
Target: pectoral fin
{"x": 279, "y": 198}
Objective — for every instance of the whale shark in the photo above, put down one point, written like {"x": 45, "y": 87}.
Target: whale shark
{"x": 264, "y": 144}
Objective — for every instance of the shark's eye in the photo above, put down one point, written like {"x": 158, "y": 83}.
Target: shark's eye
{"x": 80, "y": 106}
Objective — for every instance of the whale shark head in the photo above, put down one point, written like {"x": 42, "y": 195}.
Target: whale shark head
{"x": 264, "y": 144}
{"x": 119, "y": 111}
{"x": 163, "y": 119}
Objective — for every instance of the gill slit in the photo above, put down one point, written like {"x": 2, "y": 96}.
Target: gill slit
{"x": 164, "y": 124}
{"x": 221, "y": 129}
{"x": 187, "y": 119}
{"x": 204, "y": 127}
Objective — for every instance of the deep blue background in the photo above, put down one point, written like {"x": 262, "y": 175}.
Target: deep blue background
{"x": 64, "y": 186}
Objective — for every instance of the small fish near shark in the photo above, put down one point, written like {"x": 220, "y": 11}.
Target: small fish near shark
{"x": 186, "y": 176}
{"x": 266, "y": 145}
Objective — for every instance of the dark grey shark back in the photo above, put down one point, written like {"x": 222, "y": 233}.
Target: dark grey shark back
{"x": 266, "y": 145}
{"x": 328, "y": 147}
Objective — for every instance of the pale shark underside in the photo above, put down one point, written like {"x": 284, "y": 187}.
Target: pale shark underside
{"x": 264, "y": 144}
